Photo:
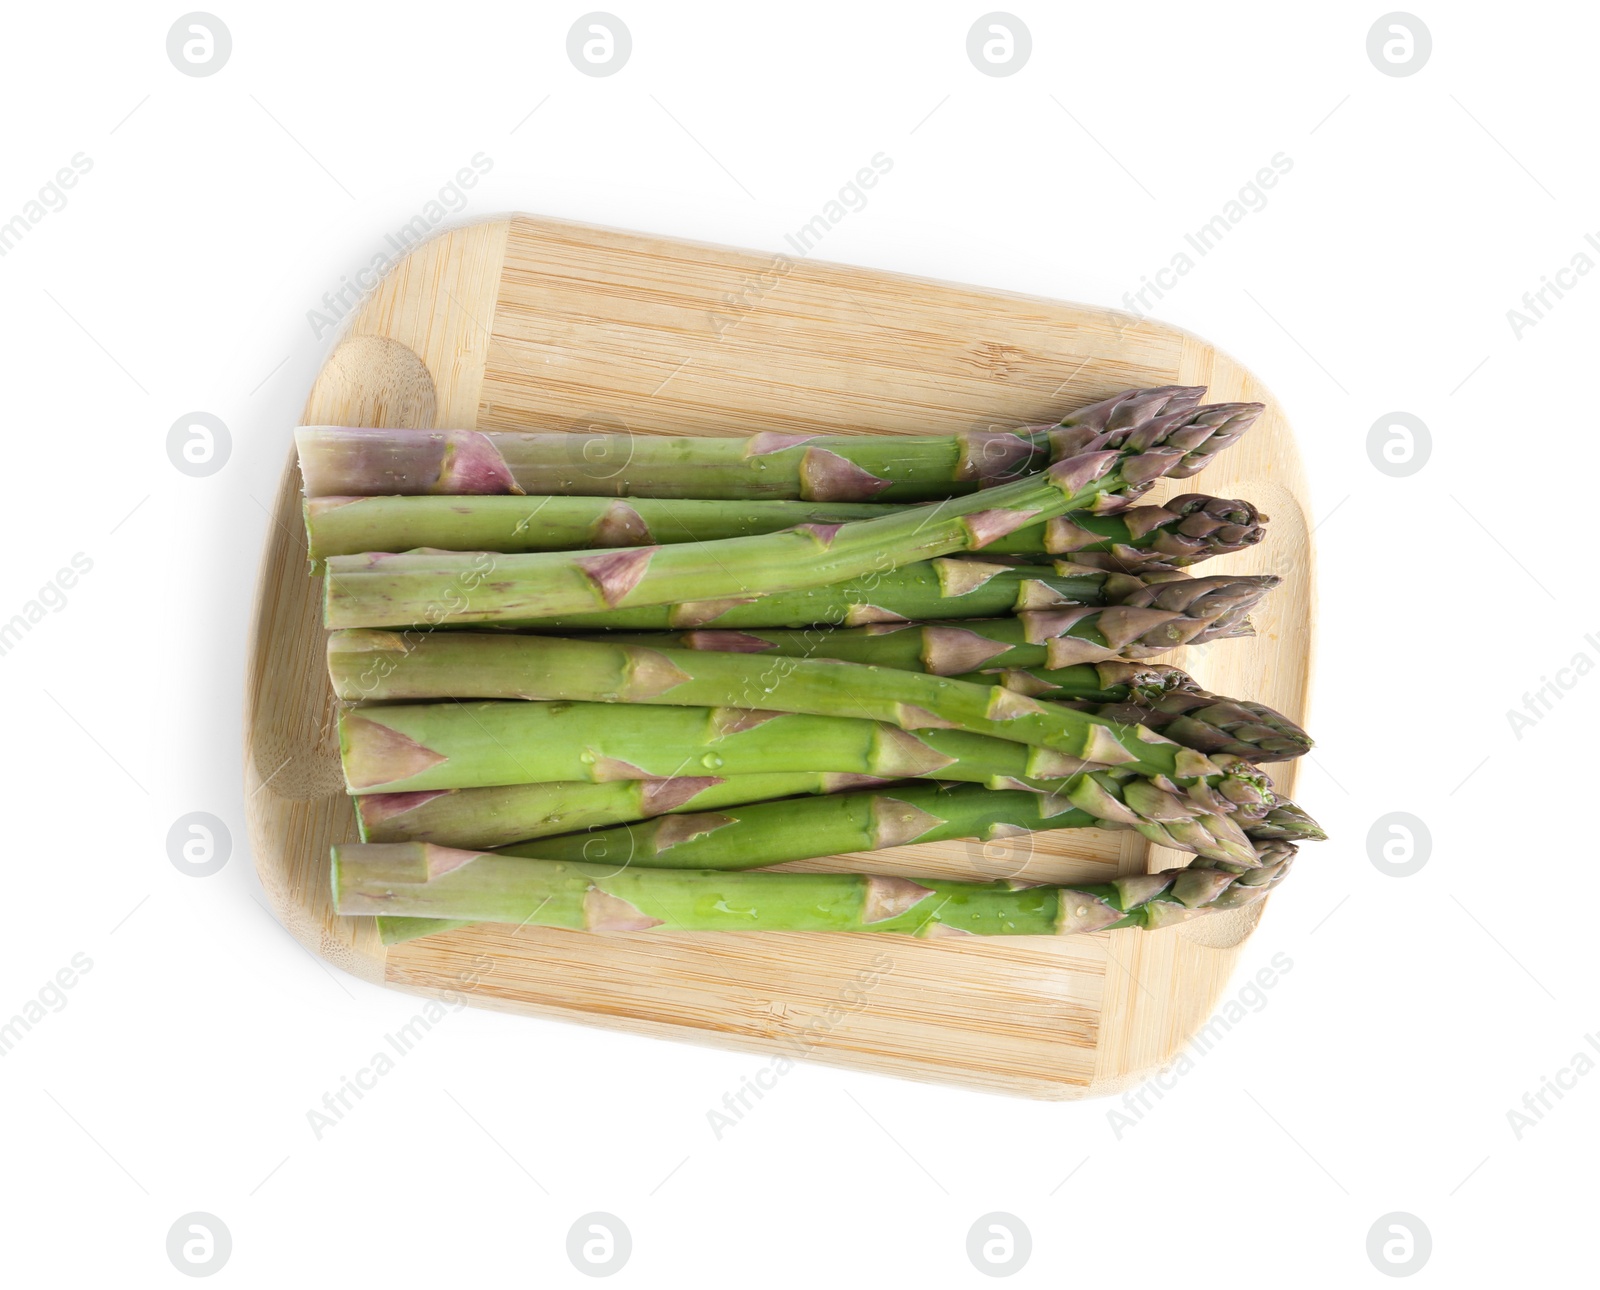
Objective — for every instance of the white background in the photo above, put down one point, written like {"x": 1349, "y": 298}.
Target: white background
{"x": 1418, "y": 1011}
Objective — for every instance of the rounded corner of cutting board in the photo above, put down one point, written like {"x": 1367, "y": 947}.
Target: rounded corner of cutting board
{"x": 455, "y": 330}
{"x": 412, "y": 354}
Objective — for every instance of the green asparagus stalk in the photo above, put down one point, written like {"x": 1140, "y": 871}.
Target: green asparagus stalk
{"x": 423, "y": 880}
{"x": 409, "y": 755}
{"x": 391, "y": 666}
{"x": 352, "y": 525}
{"x": 1105, "y": 682}
{"x": 1220, "y": 818}
{"x": 413, "y": 748}
{"x": 416, "y": 747}
{"x": 485, "y": 818}
{"x": 1109, "y": 682}
{"x": 768, "y": 833}
{"x": 1144, "y": 617}
{"x": 338, "y": 461}
{"x": 774, "y": 832}
{"x": 1103, "y": 473}
{"x": 1175, "y": 534}
{"x": 946, "y": 589}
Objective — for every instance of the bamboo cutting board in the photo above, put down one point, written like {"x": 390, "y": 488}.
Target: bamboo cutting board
{"x": 537, "y": 323}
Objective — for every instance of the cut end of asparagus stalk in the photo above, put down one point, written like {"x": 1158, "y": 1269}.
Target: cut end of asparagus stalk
{"x": 351, "y": 461}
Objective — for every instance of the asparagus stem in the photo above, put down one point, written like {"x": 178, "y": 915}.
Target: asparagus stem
{"x": 773, "y": 832}
{"x": 1198, "y": 608}
{"x": 428, "y": 748}
{"x": 428, "y": 588}
{"x": 420, "y": 879}
{"x": 887, "y": 468}
{"x": 768, "y": 833}
{"x": 1097, "y": 471}
{"x": 1144, "y": 617}
{"x": 484, "y": 818}
{"x": 352, "y": 525}
{"x": 1109, "y": 682}
{"x": 947, "y": 587}
{"x": 391, "y": 666}
{"x": 1176, "y": 534}
{"x": 416, "y": 748}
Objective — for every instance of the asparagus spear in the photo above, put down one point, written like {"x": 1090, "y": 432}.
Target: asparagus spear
{"x": 428, "y": 747}
{"x": 947, "y": 587}
{"x": 391, "y": 666}
{"x": 1164, "y": 699}
{"x": 1186, "y": 824}
{"x": 420, "y": 879}
{"x": 1103, "y": 472}
{"x": 352, "y": 525}
{"x": 851, "y": 468}
{"x": 414, "y": 747}
{"x": 943, "y": 589}
{"x": 1207, "y": 722}
{"x": 483, "y": 818}
{"x": 1144, "y": 617}
{"x": 1109, "y": 682}
{"x": 774, "y": 832}
{"x": 1284, "y": 821}
{"x": 768, "y": 833}
{"x": 1175, "y": 534}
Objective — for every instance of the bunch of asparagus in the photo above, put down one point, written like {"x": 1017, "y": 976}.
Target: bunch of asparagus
{"x": 570, "y": 709}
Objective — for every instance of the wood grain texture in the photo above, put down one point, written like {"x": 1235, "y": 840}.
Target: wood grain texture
{"x": 538, "y": 323}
